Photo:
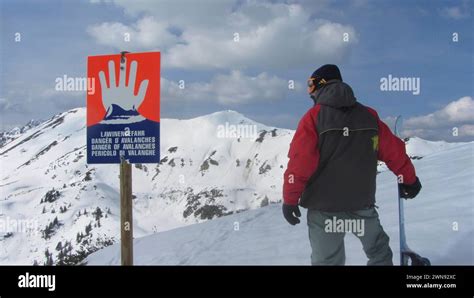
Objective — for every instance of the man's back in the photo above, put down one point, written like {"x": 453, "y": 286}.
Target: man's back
{"x": 348, "y": 145}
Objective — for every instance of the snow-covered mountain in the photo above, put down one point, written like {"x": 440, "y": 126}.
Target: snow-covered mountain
{"x": 439, "y": 224}
{"x": 10, "y": 135}
{"x": 54, "y": 208}
{"x": 72, "y": 208}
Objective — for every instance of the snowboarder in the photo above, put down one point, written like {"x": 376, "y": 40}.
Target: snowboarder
{"x": 332, "y": 171}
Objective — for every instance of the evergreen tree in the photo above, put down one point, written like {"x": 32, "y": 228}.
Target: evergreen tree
{"x": 88, "y": 229}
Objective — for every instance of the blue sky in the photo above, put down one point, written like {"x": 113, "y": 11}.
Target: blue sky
{"x": 279, "y": 41}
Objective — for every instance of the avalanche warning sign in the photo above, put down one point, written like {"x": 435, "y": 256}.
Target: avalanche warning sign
{"x": 123, "y": 114}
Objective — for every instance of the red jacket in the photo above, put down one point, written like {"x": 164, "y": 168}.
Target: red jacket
{"x": 304, "y": 155}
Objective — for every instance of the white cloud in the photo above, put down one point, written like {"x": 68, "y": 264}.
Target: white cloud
{"x": 145, "y": 33}
{"x": 459, "y": 111}
{"x": 459, "y": 12}
{"x": 237, "y": 88}
{"x": 458, "y": 115}
{"x": 455, "y": 12}
{"x": 228, "y": 89}
{"x": 8, "y": 106}
{"x": 271, "y": 35}
{"x": 467, "y": 130}
{"x": 39, "y": 100}
{"x": 183, "y": 13}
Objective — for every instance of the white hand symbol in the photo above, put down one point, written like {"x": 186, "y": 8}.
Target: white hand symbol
{"x": 122, "y": 95}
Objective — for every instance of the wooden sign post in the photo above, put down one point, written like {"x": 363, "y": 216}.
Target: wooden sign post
{"x": 126, "y": 213}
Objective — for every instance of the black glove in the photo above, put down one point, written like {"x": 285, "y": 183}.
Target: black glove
{"x": 409, "y": 191}
{"x": 291, "y": 213}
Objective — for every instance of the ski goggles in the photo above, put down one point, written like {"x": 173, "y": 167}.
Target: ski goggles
{"x": 315, "y": 84}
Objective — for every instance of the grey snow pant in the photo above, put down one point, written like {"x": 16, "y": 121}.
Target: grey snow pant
{"x": 327, "y": 239}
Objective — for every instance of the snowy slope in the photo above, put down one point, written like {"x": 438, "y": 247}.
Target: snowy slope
{"x": 263, "y": 237}
{"x": 417, "y": 147}
{"x": 73, "y": 207}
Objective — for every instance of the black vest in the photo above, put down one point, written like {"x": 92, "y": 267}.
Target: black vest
{"x": 345, "y": 179}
